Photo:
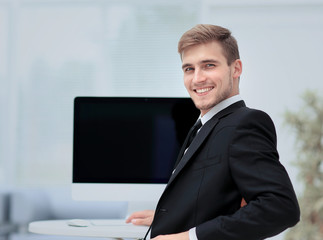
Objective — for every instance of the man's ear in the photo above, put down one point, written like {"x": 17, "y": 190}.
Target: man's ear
{"x": 237, "y": 68}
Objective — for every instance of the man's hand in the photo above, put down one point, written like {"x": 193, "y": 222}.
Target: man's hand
{"x": 178, "y": 236}
{"x": 146, "y": 218}
{"x": 141, "y": 218}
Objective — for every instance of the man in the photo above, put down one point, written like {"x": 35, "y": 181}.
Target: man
{"x": 233, "y": 157}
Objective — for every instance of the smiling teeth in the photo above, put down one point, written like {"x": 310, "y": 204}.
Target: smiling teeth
{"x": 203, "y": 90}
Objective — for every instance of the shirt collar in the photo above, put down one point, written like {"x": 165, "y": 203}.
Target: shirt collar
{"x": 219, "y": 107}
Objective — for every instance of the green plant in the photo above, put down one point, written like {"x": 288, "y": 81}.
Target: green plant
{"x": 307, "y": 125}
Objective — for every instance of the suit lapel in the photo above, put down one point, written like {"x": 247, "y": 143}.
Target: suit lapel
{"x": 200, "y": 138}
{"x": 196, "y": 143}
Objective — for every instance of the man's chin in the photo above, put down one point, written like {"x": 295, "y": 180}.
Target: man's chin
{"x": 204, "y": 107}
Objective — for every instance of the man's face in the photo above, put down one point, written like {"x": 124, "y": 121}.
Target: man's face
{"x": 207, "y": 76}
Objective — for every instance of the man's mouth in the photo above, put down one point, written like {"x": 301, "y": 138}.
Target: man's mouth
{"x": 203, "y": 90}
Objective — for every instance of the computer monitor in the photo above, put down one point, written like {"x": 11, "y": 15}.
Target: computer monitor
{"x": 124, "y": 148}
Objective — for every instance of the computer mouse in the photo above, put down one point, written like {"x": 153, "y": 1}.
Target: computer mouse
{"x": 78, "y": 223}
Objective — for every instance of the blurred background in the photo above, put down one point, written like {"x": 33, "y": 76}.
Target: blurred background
{"x": 54, "y": 50}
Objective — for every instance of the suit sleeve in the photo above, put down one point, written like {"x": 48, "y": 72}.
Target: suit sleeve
{"x": 262, "y": 181}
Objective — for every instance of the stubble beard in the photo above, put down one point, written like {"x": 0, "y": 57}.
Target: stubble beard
{"x": 219, "y": 97}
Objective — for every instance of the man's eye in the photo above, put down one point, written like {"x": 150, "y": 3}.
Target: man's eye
{"x": 210, "y": 65}
{"x": 188, "y": 69}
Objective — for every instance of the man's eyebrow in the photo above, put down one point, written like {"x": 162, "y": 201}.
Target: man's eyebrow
{"x": 186, "y": 65}
{"x": 209, "y": 60}
{"x": 201, "y": 62}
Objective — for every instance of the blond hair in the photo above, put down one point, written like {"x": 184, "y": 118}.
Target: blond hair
{"x": 205, "y": 33}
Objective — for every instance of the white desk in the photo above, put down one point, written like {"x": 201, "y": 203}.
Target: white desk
{"x": 107, "y": 229}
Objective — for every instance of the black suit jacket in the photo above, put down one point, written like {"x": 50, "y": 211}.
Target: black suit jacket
{"x": 233, "y": 156}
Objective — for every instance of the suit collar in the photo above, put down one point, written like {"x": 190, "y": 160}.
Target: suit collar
{"x": 219, "y": 107}
{"x": 229, "y": 109}
{"x": 201, "y": 136}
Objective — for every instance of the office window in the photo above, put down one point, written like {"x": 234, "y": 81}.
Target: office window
{"x": 63, "y": 49}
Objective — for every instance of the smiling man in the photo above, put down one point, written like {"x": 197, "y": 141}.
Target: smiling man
{"x": 232, "y": 159}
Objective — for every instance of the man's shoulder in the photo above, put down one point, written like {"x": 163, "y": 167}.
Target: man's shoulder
{"x": 251, "y": 113}
{"x": 246, "y": 114}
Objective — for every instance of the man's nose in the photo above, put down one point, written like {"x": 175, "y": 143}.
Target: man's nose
{"x": 199, "y": 76}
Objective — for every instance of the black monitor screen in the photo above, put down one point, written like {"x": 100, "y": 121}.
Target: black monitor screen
{"x": 129, "y": 139}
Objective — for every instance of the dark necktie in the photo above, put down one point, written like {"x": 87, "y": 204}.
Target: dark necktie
{"x": 193, "y": 132}
{"x": 190, "y": 136}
